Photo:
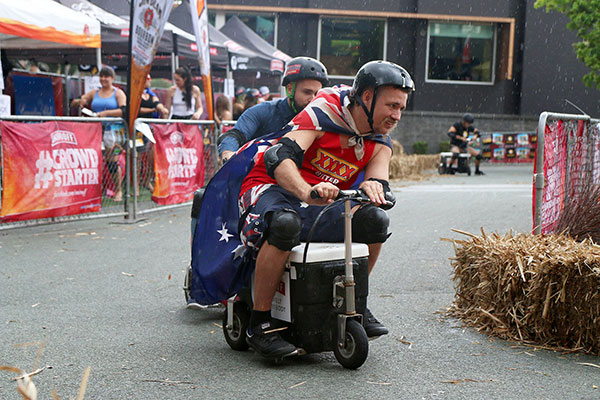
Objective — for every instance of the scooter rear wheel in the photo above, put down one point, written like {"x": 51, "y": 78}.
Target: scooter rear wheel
{"x": 236, "y": 336}
{"x": 354, "y": 352}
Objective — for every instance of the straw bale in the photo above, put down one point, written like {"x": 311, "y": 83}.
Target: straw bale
{"x": 397, "y": 148}
{"x": 538, "y": 289}
{"x": 410, "y": 167}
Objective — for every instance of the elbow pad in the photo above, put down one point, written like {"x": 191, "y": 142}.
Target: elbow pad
{"x": 284, "y": 149}
{"x": 234, "y": 133}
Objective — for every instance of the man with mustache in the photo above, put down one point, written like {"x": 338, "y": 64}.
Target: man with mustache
{"x": 341, "y": 133}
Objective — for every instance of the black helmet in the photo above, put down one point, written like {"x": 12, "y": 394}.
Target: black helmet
{"x": 468, "y": 118}
{"x": 300, "y": 68}
{"x": 380, "y": 73}
{"x": 375, "y": 74}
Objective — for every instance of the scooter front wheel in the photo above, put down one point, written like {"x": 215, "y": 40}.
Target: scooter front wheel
{"x": 235, "y": 336}
{"x": 353, "y": 353}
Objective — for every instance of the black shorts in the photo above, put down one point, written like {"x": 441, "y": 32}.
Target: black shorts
{"x": 254, "y": 226}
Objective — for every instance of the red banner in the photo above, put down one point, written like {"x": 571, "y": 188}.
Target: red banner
{"x": 178, "y": 162}
{"x": 555, "y": 161}
{"x": 51, "y": 169}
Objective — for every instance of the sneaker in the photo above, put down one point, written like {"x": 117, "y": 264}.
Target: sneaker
{"x": 478, "y": 172}
{"x": 373, "y": 328}
{"x": 451, "y": 171}
{"x": 192, "y": 304}
{"x": 267, "y": 341}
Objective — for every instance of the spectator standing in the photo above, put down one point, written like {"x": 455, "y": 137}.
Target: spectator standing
{"x": 184, "y": 99}
{"x": 108, "y": 101}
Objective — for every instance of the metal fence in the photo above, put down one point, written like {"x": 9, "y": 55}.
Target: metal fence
{"x": 116, "y": 169}
{"x": 128, "y": 166}
{"x": 143, "y": 173}
{"x": 567, "y": 160}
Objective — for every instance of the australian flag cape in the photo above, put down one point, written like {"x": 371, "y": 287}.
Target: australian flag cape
{"x": 221, "y": 266}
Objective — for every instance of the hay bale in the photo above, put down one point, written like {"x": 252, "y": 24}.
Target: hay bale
{"x": 412, "y": 167}
{"x": 397, "y": 148}
{"x": 541, "y": 289}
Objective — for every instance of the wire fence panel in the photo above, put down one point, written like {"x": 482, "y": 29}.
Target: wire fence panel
{"x": 568, "y": 163}
{"x": 156, "y": 163}
{"x": 54, "y": 172}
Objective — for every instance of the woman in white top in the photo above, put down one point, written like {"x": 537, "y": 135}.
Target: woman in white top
{"x": 183, "y": 98}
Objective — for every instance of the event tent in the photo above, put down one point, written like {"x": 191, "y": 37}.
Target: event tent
{"x": 235, "y": 29}
{"x": 45, "y": 24}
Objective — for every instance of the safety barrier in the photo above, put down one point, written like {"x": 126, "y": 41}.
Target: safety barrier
{"x": 62, "y": 171}
{"x": 176, "y": 160}
{"x": 71, "y": 160}
{"x": 567, "y": 161}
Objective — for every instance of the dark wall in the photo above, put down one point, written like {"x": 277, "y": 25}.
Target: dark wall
{"x": 545, "y": 69}
{"x": 366, "y": 5}
{"x": 493, "y": 8}
{"x": 551, "y": 71}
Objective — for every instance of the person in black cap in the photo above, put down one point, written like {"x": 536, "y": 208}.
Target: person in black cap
{"x": 460, "y": 135}
{"x": 302, "y": 79}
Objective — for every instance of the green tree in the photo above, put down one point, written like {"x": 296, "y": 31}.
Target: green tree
{"x": 584, "y": 18}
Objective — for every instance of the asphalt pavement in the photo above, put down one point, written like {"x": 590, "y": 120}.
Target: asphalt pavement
{"x": 107, "y": 295}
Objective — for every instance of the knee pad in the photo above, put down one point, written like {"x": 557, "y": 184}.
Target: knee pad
{"x": 479, "y": 157}
{"x": 284, "y": 228}
{"x": 370, "y": 225}
{"x": 455, "y": 155}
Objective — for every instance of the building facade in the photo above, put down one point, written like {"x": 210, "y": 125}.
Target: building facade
{"x": 493, "y": 57}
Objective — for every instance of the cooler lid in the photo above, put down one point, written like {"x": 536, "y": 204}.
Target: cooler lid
{"x": 326, "y": 251}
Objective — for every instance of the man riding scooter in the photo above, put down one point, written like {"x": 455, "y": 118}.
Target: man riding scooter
{"x": 303, "y": 78}
{"x": 459, "y": 134}
{"x": 338, "y": 135}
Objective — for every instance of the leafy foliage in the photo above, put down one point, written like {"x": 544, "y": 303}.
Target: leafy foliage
{"x": 584, "y": 18}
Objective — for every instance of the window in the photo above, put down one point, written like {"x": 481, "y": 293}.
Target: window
{"x": 461, "y": 52}
{"x": 264, "y": 25}
{"x": 346, "y": 44}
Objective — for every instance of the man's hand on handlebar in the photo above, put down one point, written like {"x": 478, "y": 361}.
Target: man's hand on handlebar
{"x": 327, "y": 192}
{"x": 374, "y": 190}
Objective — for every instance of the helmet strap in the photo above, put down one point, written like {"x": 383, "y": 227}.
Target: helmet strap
{"x": 368, "y": 113}
{"x": 290, "y": 96}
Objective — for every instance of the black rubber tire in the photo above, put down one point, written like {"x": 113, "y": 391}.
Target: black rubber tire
{"x": 442, "y": 169}
{"x": 236, "y": 338}
{"x": 356, "y": 346}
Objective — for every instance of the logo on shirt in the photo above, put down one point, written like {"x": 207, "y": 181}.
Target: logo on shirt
{"x": 333, "y": 166}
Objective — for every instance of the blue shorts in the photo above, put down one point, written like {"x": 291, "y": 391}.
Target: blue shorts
{"x": 255, "y": 207}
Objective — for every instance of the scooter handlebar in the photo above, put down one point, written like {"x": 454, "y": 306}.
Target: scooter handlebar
{"x": 358, "y": 195}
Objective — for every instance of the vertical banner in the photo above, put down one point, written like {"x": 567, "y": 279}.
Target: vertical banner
{"x": 146, "y": 24}
{"x": 200, "y": 22}
{"x": 51, "y": 169}
{"x": 178, "y": 162}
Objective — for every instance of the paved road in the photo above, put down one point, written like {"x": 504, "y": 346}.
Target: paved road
{"x": 108, "y": 295}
